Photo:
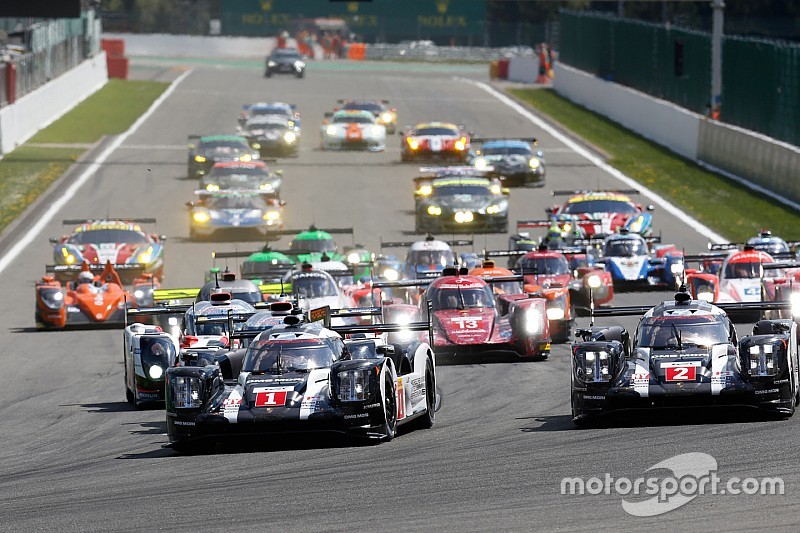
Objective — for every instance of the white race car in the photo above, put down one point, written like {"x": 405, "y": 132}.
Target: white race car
{"x": 352, "y": 130}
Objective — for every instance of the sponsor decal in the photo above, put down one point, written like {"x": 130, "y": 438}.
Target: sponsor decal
{"x": 183, "y": 423}
{"x": 401, "y": 399}
{"x": 591, "y": 397}
{"x": 359, "y": 415}
{"x": 372, "y": 406}
{"x": 231, "y": 402}
{"x": 766, "y": 391}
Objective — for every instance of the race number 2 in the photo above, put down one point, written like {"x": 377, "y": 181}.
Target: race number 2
{"x": 681, "y": 373}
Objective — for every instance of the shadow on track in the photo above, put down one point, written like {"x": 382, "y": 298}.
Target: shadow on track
{"x": 148, "y": 428}
{"x": 108, "y": 407}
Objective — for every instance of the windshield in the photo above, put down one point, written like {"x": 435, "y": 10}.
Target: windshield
{"x": 217, "y": 327}
{"x": 436, "y": 131}
{"x": 257, "y": 268}
{"x": 235, "y": 202}
{"x": 625, "y": 248}
{"x": 440, "y": 258}
{"x": 156, "y": 351}
{"x": 551, "y": 266}
{"x": 663, "y": 332}
{"x": 350, "y": 119}
{"x": 506, "y": 150}
{"x": 461, "y": 298}
{"x": 748, "y": 269}
{"x": 225, "y": 147}
{"x": 363, "y": 106}
{"x": 599, "y": 206}
{"x": 224, "y": 172}
{"x": 466, "y": 190}
{"x": 285, "y": 54}
{"x": 313, "y": 286}
{"x": 107, "y": 235}
{"x": 313, "y": 245}
{"x": 262, "y": 111}
{"x": 258, "y": 127}
{"x": 295, "y": 355}
{"x": 506, "y": 287}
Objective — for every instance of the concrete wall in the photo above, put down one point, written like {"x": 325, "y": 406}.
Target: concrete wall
{"x": 165, "y": 45}
{"x": 37, "y": 109}
{"x": 523, "y": 69}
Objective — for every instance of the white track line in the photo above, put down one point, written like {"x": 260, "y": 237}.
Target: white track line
{"x": 48, "y": 215}
{"x": 703, "y": 230}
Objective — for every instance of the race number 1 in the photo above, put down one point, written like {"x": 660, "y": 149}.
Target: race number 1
{"x": 270, "y": 398}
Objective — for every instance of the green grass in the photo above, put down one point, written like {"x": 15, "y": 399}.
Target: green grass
{"x": 29, "y": 170}
{"x": 109, "y": 111}
{"x": 728, "y": 208}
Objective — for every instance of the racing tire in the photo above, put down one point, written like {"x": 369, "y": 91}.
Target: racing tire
{"x": 129, "y": 396}
{"x": 389, "y": 402}
{"x": 427, "y": 420}
{"x": 267, "y": 74}
{"x": 186, "y": 448}
{"x": 584, "y": 422}
{"x": 300, "y": 74}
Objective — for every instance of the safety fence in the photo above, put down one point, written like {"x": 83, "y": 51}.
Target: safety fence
{"x": 427, "y": 51}
{"x": 760, "y": 78}
{"x": 48, "y": 49}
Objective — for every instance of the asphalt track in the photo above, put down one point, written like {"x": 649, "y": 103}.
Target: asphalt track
{"x": 76, "y": 457}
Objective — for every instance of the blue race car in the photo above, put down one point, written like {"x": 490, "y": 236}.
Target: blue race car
{"x": 514, "y": 161}
{"x": 634, "y": 266}
{"x": 234, "y": 212}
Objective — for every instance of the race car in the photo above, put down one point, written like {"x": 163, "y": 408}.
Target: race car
{"x": 468, "y": 321}
{"x": 602, "y": 213}
{"x": 315, "y": 288}
{"x": 205, "y": 152}
{"x": 385, "y": 115}
{"x": 259, "y": 266}
{"x": 426, "y": 258}
{"x": 234, "y": 176}
{"x": 233, "y": 213}
{"x": 89, "y": 300}
{"x": 459, "y": 202}
{"x": 280, "y": 110}
{"x": 514, "y": 161}
{"x": 119, "y": 240}
{"x": 685, "y": 354}
{"x": 309, "y": 245}
{"x": 285, "y": 61}
{"x": 352, "y": 130}
{"x": 147, "y": 352}
{"x": 435, "y": 140}
{"x": 272, "y": 135}
{"x": 303, "y": 376}
{"x": 634, "y": 266}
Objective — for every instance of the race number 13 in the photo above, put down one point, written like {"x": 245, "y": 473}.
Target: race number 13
{"x": 681, "y": 373}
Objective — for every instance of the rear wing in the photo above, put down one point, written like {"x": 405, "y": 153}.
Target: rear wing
{"x": 377, "y": 329}
{"x": 332, "y": 231}
{"x": 482, "y": 140}
{"x": 401, "y": 283}
{"x": 163, "y": 295}
{"x": 79, "y": 221}
{"x": 408, "y": 244}
{"x": 94, "y": 267}
{"x": 527, "y": 224}
{"x": 639, "y": 310}
{"x": 587, "y": 191}
{"x": 430, "y": 173}
{"x": 161, "y": 310}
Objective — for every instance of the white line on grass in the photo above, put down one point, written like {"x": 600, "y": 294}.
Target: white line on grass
{"x": 62, "y": 200}
{"x": 703, "y": 230}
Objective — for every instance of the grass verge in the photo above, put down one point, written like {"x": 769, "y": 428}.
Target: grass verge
{"x": 29, "y": 170}
{"x": 728, "y": 208}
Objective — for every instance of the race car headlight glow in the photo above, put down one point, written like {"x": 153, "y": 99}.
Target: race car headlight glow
{"x": 155, "y": 372}
{"x": 354, "y": 385}
{"x": 246, "y": 157}
{"x": 593, "y": 281}
{"x": 53, "y": 299}
{"x": 636, "y": 225}
{"x": 463, "y": 217}
{"x": 481, "y": 163}
{"x": 138, "y": 294}
{"x": 412, "y": 143}
{"x": 706, "y": 296}
{"x": 676, "y": 268}
{"x": 212, "y": 187}
{"x": 493, "y": 209}
{"x": 201, "y": 217}
{"x": 290, "y": 137}
{"x": 597, "y": 366}
{"x": 331, "y": 130}
{"x": 496, "y": 189}
{"x": 200, "y": 159}
{"x": 533, "y": 322}
{"x": 299, "y": 64}
{"x": 555, "y": 313}
{"x": 186, "y": 392}
{"x": 265, "y": 187}
{"x": 271, "y": 64}
{"x": 387, "y": 117}
{"x": 271, "y": 215}
{"x": 353, "y": 258}
{"x": 425, "y": 190}
{"x": 461, "y": 144}
{"x": 70, "y": 259}
{"x": 391, "y": 274}
{"x": 763, "y": 360}
{"x": 434, "y": 210}
{"x": 534, "y": 163}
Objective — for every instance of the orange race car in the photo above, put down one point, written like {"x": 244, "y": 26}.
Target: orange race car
{"x": 89, "y": 300}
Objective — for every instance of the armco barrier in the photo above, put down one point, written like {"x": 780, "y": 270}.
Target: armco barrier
{"x": 40, "y": 107}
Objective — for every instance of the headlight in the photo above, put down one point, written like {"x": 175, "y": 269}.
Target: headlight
{"x": 597, "y": 366}
{"x": 353, "y": 258}
{"x": 425, "y": 190}
{"x": 200, "y": 159}
{"x": 299, "y": 64}
{"x": 706, "y": 296}
{"x": 463, "y": 217}
{"x": 377, "y": 130}
{"x": 201, "y": 217}
{"x": 331, "y": 130}
{"x": 265, "y": 187}
{"x": 555, "y": 313}
{"x": 290, "y": 137}
{"x": 53, "y": 299}
{"x": 156, "y": 372}
{"x": 496, "y": 189}
{"x": 391, "y": 274}
{"x": 636, "y": 225}
{"x": 387, "y": 117}
{"x": 146, "y": 256}
{"x": 481, "y": 164}
{"x": 593, "y": 281}
{"x": 461, "y": 144}
{"x": 434, "y": 210}
{"x": 255, "y": 146}
{"x": 186, "y": 392}
{"x": 533, "y": 322}
{"x": 534, "y": 163}
{"x": 246, "y": 157}
{"x": 212, "y": 187}
{"x": 412, "y": 143}
{"x": 271, "y": 64}
{"x": 138, "y": 294}
{"x": 271, "y": 215}
{"x": 676, "y": 268}
{"x": 763, "y": 360}
{"x": 354, "y": 385}
{"x": 493, "y": 209}
{"x": 70, "y": 259}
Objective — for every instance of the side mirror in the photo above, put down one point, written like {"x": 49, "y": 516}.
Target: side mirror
{"x": 549, "y": 210}
{"x": 189, "y": 204}
{"x": 53, "y": 240}
{"x": 385, "y": 350}
{"x": 162, "y": 238}
{"x": 651, "y": 207}
{"x": 279, "y": 172}
{"x": 328, "y": 114}
{"x": 282, "y": 203}
{"x": 191, "y": 146}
